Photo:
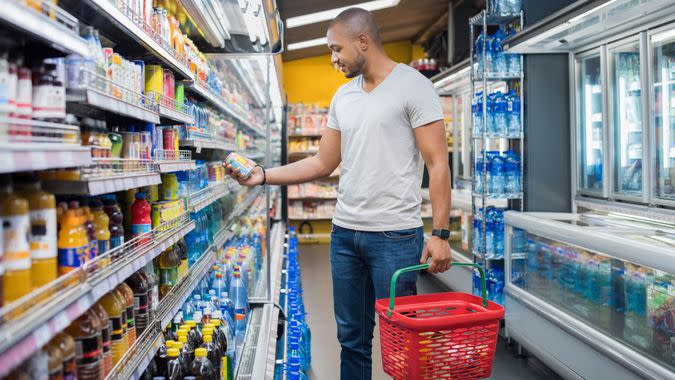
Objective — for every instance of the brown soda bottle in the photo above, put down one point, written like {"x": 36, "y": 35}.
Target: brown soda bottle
{"x": 202, "y": 368}
{"x": 106, "y": 330}
{"x": 174, "y": 367}
{"x": 86, "y": 331}
{"x": 139, "y": 286}
{"x": 128, "y": 295}
{"x": 67, "y": 345}
{"x": 213, "y": 350}
{"x": 55, "y": 360}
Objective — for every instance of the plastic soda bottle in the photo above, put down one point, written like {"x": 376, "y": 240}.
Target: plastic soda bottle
{"x": 169, "y": 261}
{"x": 128, "y": 296}
{"x": 139, "y": 286}
{"x": 174, "y": 367}
{"x": 116, "y": 310}
{"x": 106, "y": 330}
{"x": 116, "y": 225}
{"x": 140, "y": 216}
{"x": 101, "y": 226}
{"x": 72, "y": 245}
{"x": 86, "y": 331}
{"x": 67, "y": 345}
{"x": 201, "y": 367}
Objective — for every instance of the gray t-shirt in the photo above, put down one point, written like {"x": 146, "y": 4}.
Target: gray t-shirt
{"x": 382, "y": 167}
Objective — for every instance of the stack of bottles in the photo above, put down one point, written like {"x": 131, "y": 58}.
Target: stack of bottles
{"x": 494, "y": 232}
{"x": 298, "y": 335}
{"x": 505, "y": 7}
{"x": 497, "y": 64}
{"x": 494, "y": 281}
{"x": 502, "y": 175}
{"x": 502, "y": 114}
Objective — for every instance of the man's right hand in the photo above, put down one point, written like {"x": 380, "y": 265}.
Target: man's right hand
{"x": 255, "y": 179}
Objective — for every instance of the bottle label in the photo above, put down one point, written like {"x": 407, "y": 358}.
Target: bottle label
{"x": 103, "y": 246}
{"x": 183, "y": 268}
{"x": 69, "y": 368}
{"x": 116, "y": 241}
{"x": 42, "y": 236}
{"x": 105, "y": 338}
{"x": 168, "y": 276}
{"x": 139, "y": 229}
{"x": 15, "y": 236}
{"x": 130, "y": 318}
{"x": 92, "y": 248}
{"x": 88, "y": 350}
{"x": 72, "y": 258}
{"x": 141, "y": 303}
{"x": 116, "y": 328}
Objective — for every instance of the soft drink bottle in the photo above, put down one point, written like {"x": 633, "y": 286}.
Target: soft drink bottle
{"x": 116, "y": 225}
{"x": 174, "y": 366}
{"x": 201, "y": 367}
{"x": 219, "y": 285}
{"x": 187, "y": 350}
{"x": 128, "y": 296}
{"x": 214, "y": 353}
{"x": 188, "y": 309}
{"x": 106, "y": 330}
{"x": 139, "y": 285}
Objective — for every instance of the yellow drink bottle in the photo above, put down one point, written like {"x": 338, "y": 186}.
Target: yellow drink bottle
{"x": 115, "y": 308}
{"x": 16, "y": 260}
{"x": 101, "y": 227}
{"x": 72, "y": 243}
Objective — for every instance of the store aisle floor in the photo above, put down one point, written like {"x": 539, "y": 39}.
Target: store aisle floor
{"x": 318, "y": 297}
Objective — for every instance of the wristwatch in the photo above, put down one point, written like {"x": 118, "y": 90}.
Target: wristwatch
{"x": 443, "y": 234}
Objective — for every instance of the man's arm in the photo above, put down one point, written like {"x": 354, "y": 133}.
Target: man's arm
{"x": 432, "y": 143}
{"x": 320, "y": 165}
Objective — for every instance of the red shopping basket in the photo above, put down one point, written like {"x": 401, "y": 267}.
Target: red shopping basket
{"x": 438, "y": 336}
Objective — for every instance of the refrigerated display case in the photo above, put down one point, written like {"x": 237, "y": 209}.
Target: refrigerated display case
{"x": 662, "y": 55}
{"x": 592, "y": 295}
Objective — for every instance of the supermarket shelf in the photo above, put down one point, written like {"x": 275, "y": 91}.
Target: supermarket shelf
{"x": 172, "y": 114}
{"x": 491, "y": 19}
{"x": 205, "y": 197}
{"x": 106, "y": 102}
{"x": 203, "y": 14}
{"x": 135, "y": 31}
{"x": 207, "y": 144}
{"x": 16, "y": 157}
{"x": 61, "y": 36}
{"x": 33, "y": 320}
{"x": 103, "y": 185}
{"x": 171, "y": 166}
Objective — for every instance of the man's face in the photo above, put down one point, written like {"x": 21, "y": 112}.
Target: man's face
{"x": 346, "y": 51}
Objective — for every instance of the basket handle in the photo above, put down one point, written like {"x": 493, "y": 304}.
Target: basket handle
{"x": 394, "y": 278}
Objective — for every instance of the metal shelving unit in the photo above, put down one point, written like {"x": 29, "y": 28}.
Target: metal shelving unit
{"x": 90, "y": 96}
{"x": 16, "y": 157}
{"x": 203, "y": 198}
{"x": 199, "y": 144}
{"x": 168, "y": 161}
{"x": 103, "y": 184}
{"x": 33, "y": 320}
{"x": 481, "y": 140}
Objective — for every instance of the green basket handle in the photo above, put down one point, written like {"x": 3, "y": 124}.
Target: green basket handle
{"x": 394, "y": 278}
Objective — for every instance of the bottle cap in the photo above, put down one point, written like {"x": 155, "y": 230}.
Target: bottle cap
{"x": 201, "y": 352}
{"x": 178, "y": 345}
{"x": 208, "y": 338}
{"x": 182, "y": 332}
{"x": 210, "y": 325}
{"x": 169, "y": 343}
{"x": 140, "y": 195}
{"x": 216, "y": 322}
{"x": 182, "y": 339}
{"x": 207, "y": 331}
{"x": 184, "y": 326}
{"x": 173, "y": 352}
{"x": 193, "y": 324}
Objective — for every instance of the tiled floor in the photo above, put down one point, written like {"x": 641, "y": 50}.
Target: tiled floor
{"x": 325, "y": 365}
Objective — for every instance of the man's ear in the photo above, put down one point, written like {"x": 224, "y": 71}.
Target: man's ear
{"x": 363, "y": 42}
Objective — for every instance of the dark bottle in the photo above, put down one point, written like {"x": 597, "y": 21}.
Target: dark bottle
{"x": 202, "y": 368}
{"x": 174, "y": 369}
{"x": 162, "y": 361}
{"x": 181, "y": 356}
{"x": 139, "y": 285}
{"x": 188, "y": 350}
{"x": 214, "y": 354}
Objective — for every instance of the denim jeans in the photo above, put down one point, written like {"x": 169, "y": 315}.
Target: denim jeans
{"x": 362, "y": 264}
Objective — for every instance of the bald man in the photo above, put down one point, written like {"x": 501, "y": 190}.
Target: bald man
{"x": 384, "y": 125}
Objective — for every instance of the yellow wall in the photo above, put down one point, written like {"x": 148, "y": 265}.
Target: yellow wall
{"x": 314, "y": 81}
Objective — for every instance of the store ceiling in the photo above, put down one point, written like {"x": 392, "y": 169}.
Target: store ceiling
{"x": 408, "y": 20}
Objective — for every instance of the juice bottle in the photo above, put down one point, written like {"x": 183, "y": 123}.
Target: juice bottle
{"x": 116, "y": 310}
{"x": 116, "y": 226}
{"x": 128, "y": 295}
{"x": 106, "y": 332}
{"x": 16, "y": 225}
{"x": 43, "y": 236}
{"x": 88, "y": 218}
{"x": 101, "y": 227}
{"x": 139, "y": 285}
{"x": 55, "y": 363}
{"x": 174, "y": 371}
{"x": 86, "y": 331}
{"x": 221, "y": 336}
{"x": 71, "y": 244}
{"x": 153, "y": 288}
{"x": 201, "y": 367}
{"x": 169, "y": 261}
{"x": 140, "y": 216}
{"x": 194, "y": 336}
{"x": 67, "y": 345}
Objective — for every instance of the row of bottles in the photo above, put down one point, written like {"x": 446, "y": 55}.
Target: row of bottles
{"x": 501, "y": 174}
{"x": 494, "y": 61}
{"x": 502, "y": 114}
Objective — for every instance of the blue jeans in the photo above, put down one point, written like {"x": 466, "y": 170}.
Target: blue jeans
{"x": 362, "y": 264}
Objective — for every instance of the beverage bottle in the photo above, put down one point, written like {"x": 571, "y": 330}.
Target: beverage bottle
{"x": 206, "y": 317}
{"x": 489, "y": 56}
{"x": 511, "y": 173}
{"x": 153, "y": 287}
{"x": 86, "y": 331}
{"x": 55, "y": 364}
{"x": 479, "y": 54}
{"x": 224, "y": 338}
{"x": 201, "y": 367}
{"x": 197, "y": 302}
{"x": 66, "y": 344}
{"x": 115, "y": 307}
{"x": 500, "y": 65}
{"x": 188, "y": 309}
{"x": 240, "y": 299}
{"x": 141, "y": 222}
{"x": 213, "y": 351}
{"x": 479, "y": 175}
{"x": 106, "y": 330}
{"x": 162, "y": 360}
{"x": 499, "y": 233}
{"x": 478, "y": 230}
{"x": 496, "y": 174}
{"x": 183, "y": 254}
{"x": 88, "y": 218}
{"x": 111, "y": 208}
{"x": 43, "y": 235}
{"x": 194, "y": 336}
{"x": 181, "y": 357}
{"x": 500, "y": 114}
{"x": 188, "y": 350}
{"x": 513, "y": 59}
{"x": 14, "y": 213}
{"x": 71, "y": 246}
{"x": 212, "y": 300}
{"x": 128, "y": 296}
{"x": 490, "y": 126}
{"x": 174, "y": 368}
{"x": 477, "y": 113}
{"x": 490, "y": 232}
{"x": 139, "y": 286}
{"x": 169, "y": 261}
{"x": 101, "y": 226}
{"x": 514, "y": 114}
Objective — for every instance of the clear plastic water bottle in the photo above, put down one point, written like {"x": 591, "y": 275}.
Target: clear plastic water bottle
{"x": 489, "y": 56}
{"x": 512, "y": 59}
{"x": 490, "y": 233}
{"x": 477, "y": 113}
{"x": 218, "y": 285}
{"x": 478, "y": 231}
{"x": 490, "y": 111}
{"x": 499, "y": 62}
{"x": 240, "y": 299}
{"x": 479, "y": 54}
{"x": 197, "y": 301}
{"x": 499, "y": 233}
{"x": 511, "y": 173}
{"x": 501, "y": 114}
{"x": 496, "y": 174}
{"x": 478, "y": 175}
{"x": 188, "y": 310}
{"x": 513, "y": 116}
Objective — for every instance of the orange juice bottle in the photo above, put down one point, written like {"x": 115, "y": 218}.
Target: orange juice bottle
{"x": 101, "y": 227}
{"x": 116, "y": 310}
{"x": 72, "y": 243}
{"x": 128, "y": 295}
{"x": 43, "y": 236}
{"x": 14, "y": 213}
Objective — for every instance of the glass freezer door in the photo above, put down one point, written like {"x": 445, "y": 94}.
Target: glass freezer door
{"x": 663, "y": 61}
{"x": 627, "y": 118}
{"x": 591, "y": 126}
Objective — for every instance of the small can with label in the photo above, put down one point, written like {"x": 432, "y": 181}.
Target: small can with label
{"x": 242, "y": 163}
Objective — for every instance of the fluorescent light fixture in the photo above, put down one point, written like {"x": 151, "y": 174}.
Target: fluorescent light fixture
{"x": 312, "y": 18}
{"x": 308, "y": 43}
{"x": 456, "y": 76}
{"x": 591, "y": 11}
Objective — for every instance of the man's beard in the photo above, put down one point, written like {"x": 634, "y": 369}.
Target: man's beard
{"x": 358, "y": 68}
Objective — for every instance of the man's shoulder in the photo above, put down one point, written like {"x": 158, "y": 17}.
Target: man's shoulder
{"x": 347, "y": 87}
{"x": 411, "y": 75}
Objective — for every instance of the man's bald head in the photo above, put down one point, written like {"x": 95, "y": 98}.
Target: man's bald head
{"x": 357, "y": 21}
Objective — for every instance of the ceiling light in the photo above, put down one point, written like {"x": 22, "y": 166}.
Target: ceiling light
{"x": 308, "y": 43}
{"x": 330, "y": 14}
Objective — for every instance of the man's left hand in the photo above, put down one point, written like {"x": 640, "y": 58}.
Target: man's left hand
{"x": 439, "y": 251}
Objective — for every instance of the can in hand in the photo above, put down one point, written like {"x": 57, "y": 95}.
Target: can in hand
{"x": 242, "y": 163}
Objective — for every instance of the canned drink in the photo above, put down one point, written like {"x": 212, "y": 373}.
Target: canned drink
{"x": 169, "y": 139}
{"x": 242, "y": 163}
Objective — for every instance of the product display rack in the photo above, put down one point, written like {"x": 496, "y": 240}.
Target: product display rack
{"x": 199, "y": 144}
{"x": 479, "y": 74}
{"x": 169, "y": 161}
{"x": 103, "y": 184}
{"x": 15, "y": 157}
{"x": 89, "y": 96}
